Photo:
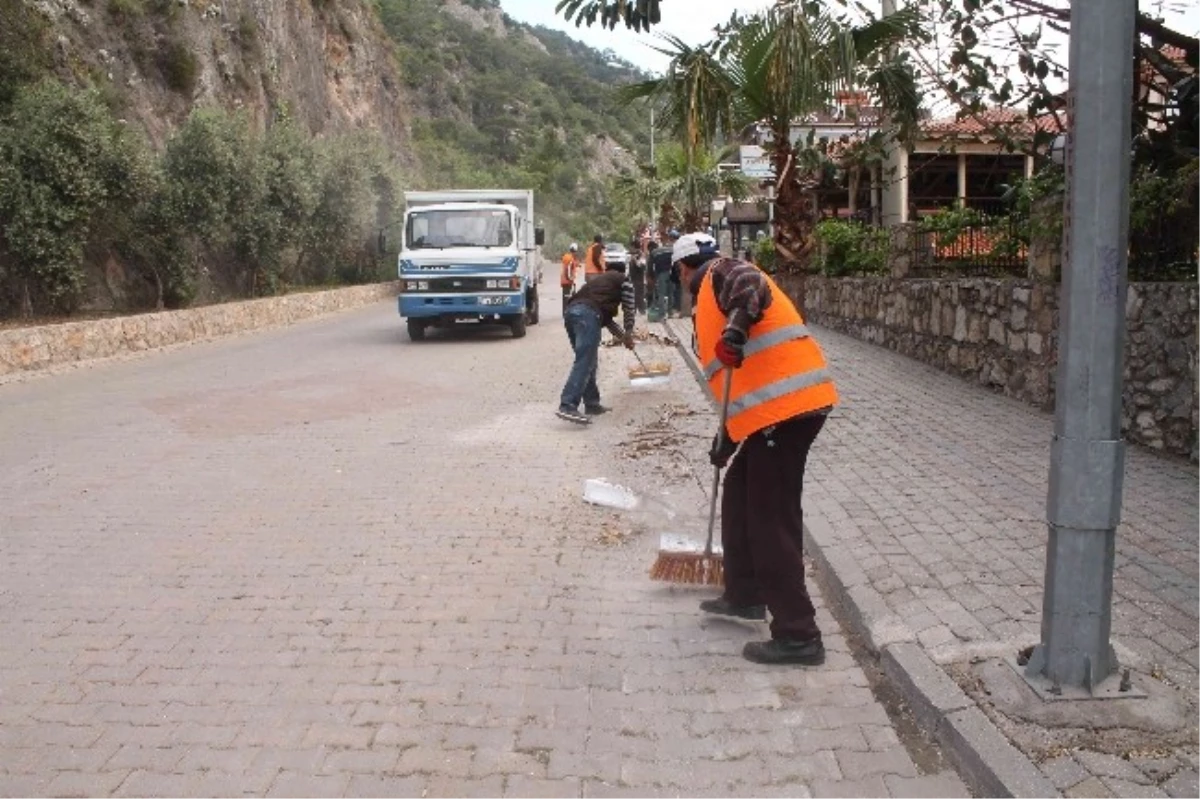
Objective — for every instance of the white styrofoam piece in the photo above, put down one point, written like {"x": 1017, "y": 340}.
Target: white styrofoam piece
{"x": 599, "y": 491}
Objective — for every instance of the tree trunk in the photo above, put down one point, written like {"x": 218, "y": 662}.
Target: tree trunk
{"x": 667, "y": 219}
{"x": 693, "y": 222}
{"x": 159, "y": 304}
{"x": 26, "y": 300}
{"x": 793, "y": 215}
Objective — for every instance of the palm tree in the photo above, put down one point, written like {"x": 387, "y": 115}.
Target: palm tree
{"x": 773, "y": 68}
{"x": 682, "y": 187}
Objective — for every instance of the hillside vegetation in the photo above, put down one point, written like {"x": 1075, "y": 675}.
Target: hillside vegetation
{"x": 154, "y": 154}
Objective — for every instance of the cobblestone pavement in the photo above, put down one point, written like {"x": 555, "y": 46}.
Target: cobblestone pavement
{"x": 938, "y": 489}
{"x": 325, "y": 561}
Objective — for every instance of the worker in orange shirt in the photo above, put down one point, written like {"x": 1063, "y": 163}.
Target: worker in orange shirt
{"x": 593, "y": 261}
{"x": 570, "y": 266}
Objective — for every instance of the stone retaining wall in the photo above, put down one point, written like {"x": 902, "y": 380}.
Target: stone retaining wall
{"x": 1004, "y": 335}
{"x": 33, "y": 348}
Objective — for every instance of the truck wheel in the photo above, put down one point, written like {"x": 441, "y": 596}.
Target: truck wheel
{"x": 517, "y": 325}
{"x": 416, "y": 330}
{"x": 532, "y": 305}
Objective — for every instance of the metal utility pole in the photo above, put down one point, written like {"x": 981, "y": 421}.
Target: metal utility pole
{"x": 1087, "y": 456}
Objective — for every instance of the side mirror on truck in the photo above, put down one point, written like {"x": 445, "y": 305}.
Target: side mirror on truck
{"x": 539, "y": 236}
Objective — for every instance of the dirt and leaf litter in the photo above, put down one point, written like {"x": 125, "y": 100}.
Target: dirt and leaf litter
{"x": 1157, "y": 733}
{"x": 661, "y": 434}
{"x": 643, "y": 336}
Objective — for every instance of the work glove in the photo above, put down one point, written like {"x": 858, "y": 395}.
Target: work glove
{"x": 628, "y": 341}
{"x": 722, "y": 450}
{"x": 730, "y": 348}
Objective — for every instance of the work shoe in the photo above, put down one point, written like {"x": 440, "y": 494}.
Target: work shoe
{"x": 572, "y": 415}
{"x": 596, "y": 410}
{"x": 779, "y": 651}
{"x": 723, "y": 607}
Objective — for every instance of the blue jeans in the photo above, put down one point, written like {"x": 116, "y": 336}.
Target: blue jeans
{"x": 583, "y": 331}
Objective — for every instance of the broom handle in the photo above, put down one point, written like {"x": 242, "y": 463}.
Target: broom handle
{"x": 712, "y": 502}
{"x": 639, "y": 360}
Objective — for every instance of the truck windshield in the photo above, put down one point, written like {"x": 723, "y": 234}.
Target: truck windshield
{"x": 460, "y": 228}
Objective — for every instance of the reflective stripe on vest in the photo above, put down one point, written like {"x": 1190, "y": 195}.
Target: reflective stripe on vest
{"x": 757, "y": 345}
{"x": 778, "y": 389}
{"x": 784, "y": 374}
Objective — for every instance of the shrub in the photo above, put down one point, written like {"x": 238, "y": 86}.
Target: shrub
{"x": 180, "y": 68}
{"x": 851, "y": 248}
{"x": 64, "y": 161}
{"x": 765, "y": 254}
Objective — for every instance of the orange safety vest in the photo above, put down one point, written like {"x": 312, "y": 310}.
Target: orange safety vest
{"x": 567, "y": 275}
{"x": 593, "y": 262}
{"x": 783, "y": 375}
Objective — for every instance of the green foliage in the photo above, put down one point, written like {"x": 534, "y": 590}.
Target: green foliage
{"x": 227, "y": 210}
{"x": 180, "y": 68}
{"x": 126, "y": 8}
{"x": 764, "y": 254}
{"x": 358, "y": 192}
{"x": 224, "y": 211}
{"x": 63, "y": 162}
{"x": 504, "y": 113}
{"x": 850, "y": 248}
{"x": 950, "y": 223}
{"x": 24, "y": 56}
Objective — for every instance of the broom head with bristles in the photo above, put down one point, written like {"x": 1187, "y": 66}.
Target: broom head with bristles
{"x": 686, "y": 562}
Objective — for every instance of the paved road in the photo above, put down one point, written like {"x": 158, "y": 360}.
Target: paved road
{"x": 325, "y": 561}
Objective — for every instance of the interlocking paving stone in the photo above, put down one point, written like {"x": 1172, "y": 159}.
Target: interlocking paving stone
{"x": 323, "y": 561}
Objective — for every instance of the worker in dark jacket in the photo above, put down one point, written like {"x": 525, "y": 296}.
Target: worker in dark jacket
{"x": 593, "y": 306}
{"x": 779, "y": 396}
{"x": 660, "y": 266}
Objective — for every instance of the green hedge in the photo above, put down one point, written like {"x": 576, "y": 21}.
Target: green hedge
{"x": 851, "y": 248}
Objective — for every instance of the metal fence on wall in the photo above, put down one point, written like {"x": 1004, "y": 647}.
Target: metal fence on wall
{"x": 991, "y": 248}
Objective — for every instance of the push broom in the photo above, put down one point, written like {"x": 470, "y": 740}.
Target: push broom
{"x": 682, "y": 560}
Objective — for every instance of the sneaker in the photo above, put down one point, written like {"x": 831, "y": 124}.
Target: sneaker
{"x": 596, "y": 410}
{"x": 779, "y": 651}
{"x": 572, "y": 415}
{"x": 723, "y": 607}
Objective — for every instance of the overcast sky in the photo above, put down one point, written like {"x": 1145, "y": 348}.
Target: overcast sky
{"x": 694, "y": 20}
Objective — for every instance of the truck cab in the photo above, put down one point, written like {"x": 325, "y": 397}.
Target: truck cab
{"x": 469, "y": 257}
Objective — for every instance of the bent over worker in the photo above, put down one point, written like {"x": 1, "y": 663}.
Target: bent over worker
{"x": 593, "y": 306}
{"x": 779, "y": 398}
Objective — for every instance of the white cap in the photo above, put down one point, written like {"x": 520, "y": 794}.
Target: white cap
{"x": 691, "y": 244}
{"x": 574, "y": 247}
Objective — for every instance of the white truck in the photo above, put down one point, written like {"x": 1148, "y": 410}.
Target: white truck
{"x": 469, "y": 256}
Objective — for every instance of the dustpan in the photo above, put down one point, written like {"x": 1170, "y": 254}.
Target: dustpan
{"x": 643, "y": 375}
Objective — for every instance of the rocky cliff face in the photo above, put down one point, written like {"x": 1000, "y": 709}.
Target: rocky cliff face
{"x": 330, "y": 63}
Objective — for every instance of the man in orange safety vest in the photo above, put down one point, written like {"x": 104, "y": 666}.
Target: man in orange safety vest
{"x": 780, "y": 394}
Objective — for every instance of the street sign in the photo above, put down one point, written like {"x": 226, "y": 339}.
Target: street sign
{"x": 756, "y": 164}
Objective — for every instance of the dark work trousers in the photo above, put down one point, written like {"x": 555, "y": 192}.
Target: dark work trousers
{"x": 637, "y": 275}
{"x": 762, "y": 528}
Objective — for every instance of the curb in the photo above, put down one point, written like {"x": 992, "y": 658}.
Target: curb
{"x": 983, "y": 757}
